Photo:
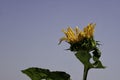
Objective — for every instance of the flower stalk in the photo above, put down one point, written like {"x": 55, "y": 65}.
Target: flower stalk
{"x": 85, "y": 47}
{"x": 85, "y": 73}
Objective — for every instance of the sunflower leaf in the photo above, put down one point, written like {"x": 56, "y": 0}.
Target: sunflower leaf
{"x": 44, "y": 74}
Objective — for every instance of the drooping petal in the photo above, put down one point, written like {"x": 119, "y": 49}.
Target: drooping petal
{"x": 62, "y": 39}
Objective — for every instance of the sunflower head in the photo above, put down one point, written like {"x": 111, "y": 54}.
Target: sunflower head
{"x": 79, "y": 39}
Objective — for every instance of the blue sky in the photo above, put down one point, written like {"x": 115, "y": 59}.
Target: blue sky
{"x": 30, "y": 30}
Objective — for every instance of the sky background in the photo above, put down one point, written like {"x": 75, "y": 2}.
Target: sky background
{"x": 30, "y": 31}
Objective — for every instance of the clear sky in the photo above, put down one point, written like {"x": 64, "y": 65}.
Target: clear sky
{"x": 30, "y": 30}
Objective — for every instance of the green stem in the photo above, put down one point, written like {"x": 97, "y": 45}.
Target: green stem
{"x": 85, "y": 73}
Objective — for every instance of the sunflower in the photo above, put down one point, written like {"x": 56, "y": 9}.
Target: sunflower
{"x": 76, "y": 35}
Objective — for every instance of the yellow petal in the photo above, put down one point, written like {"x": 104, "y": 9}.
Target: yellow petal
{"x": 77, "y": 30}
{"x": 89, "y": 30}
{"x": 71, "y": 32}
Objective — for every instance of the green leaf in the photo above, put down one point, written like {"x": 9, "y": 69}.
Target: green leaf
{"x": 44, "y": 74}
{"x": 96, "y": 55}
{"x": 98, "y": 64}
{"x": 85, "y": 56}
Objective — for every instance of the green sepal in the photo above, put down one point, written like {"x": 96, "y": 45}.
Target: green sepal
{"x": 85, "y": 44}
{"x": 45, "y": 74}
